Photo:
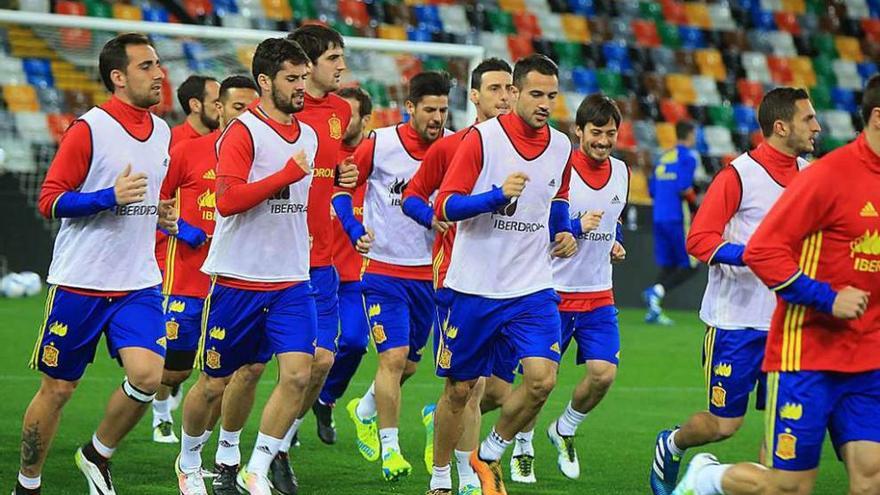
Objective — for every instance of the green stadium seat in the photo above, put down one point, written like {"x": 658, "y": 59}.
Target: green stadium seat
{"x": 722, "y": 115}
{"x": 669, "y": 34}
{"x": 98, "y": 8}
{"x": 501, "y": 21}
{"x": 611, "y": 83}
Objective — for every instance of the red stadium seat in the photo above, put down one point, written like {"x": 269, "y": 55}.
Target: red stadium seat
{"x": 58, "y": 123}
{"x": 646, "y": 33}
{"x": 673, "y": 111}
{"x": 872, "y": 29}
{"x": 788, "y": 21}
{"x": 674, "y": 12}
{"x": 527, "y": 24}
{"x": 354, "y": 12}
{"x": 626, "y": 139}
{"x": 750, "y": 92}
{"x": 780, "y": 70}
{"x": 520, "y": 46}
{"x": 198, "y": 8}
{"x": 70, "y": 8}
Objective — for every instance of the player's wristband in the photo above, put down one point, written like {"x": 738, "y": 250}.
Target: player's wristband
{"x": 190, "y": 234}
{"x": 344, "y": 212}
{"x": 618, "y": 233}
{"x": 73, "y": 204}
{"x": 461, "y": 207}
{"x": 806, "y": 291}
{"x": 417, "y": 209}
{"x": 729, "y": 254}
{"x": 559, "y": 218}
{"x": 576, "y": 228}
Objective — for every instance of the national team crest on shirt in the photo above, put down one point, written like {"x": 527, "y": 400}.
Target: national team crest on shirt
{"x": 786, "y": 446}
{"x": 212, "y": 359}
{"x": 719, "y": 396}
{"x": 50, "y": 355}
{"x": 335, "y": 126}
{"x": 171, "y": 329}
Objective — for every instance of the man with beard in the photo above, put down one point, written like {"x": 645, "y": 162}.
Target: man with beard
{"x": 190, "y": 179}
{"x": 737, "y": 307}
{"x": 104, "y": 186}
{"x": 260, "y": 301}
{"x": 598, "y": 195}
{"x": 397, "y": 277}
{"x": 197, "y": 97}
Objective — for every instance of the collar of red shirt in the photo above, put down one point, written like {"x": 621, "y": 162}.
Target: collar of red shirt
{"x": 290, "y": 131}
{"x": 869, "y": 156}
{"x": 596, "y": 174}
{"x": 412, "y": 142}
{"x": 311, "y": 101}
{"x": 137, "y": 121}
{"x": 778, "y": 164}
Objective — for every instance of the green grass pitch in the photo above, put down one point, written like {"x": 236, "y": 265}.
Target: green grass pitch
{"x": 659, "y": 385}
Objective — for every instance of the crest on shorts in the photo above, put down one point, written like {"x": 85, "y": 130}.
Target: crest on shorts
{"x": 719, "y": 396}
{"x": 58, "y": 328}
{"x": 786, "y": 446}
{"x": 335, "y": 126}
{"x": 212, "y": 359}
{"x": 723, "y": 369}
{"x": 451, "y": 331}
{"x": 171, "y": 329}
{"x": 218, "y": 333}
{"x": 50, "y": 355}
{"x": 379, "y": 334}
{"x": 445, "y": 359}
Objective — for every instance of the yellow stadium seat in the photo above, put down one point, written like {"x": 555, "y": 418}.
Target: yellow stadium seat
{"x": 277, "y": 10}
{"x": 711, "y": 64}
{"x": 681, "y": 88}
{"x": 796, "y": 6}
{"x": 390, "y": 32}
{"x": 698, "y": 15}
{"x": 127, "y": 12}
{"x": 576, "y": 28}
{"x": 512, "y": 5}
{"x": 561, "y": 110}
{"x": 849, "y": 48}
{"x": 803, "y": 75}
{"x": 666, "y": 135}
{"x": 245, "y": 55}
{"x": 21, "y": 98}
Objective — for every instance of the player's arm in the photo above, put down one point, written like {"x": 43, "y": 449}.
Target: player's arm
{"x": 427, "y": 179}
{"x": 774, "y": 249}
{"x": 686, "y": 169}
{"x": 59, "y": 195}
{"x": 455, "y": 201}
{"x": 705, "y": 241}
{"x": 342, "y": 200}
{"x": 235, "y": 157}
{"x": 175, "y": 178}
{"x": 565, "y": 244}
{"x": 618, "y": 252}
{"x": 347, "y": 171}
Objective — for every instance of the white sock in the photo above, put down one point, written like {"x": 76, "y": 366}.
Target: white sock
{"x": 105, "y": 451}
{"x": 207, "y": 436}
{"x": 265, "y": 450}
{"x": 709, "y": 478}
{"x": 29, "y": 483}
{"x": 466, "y": 474}
{"x": 493, "y": 447}
{"x": 523, "y": 445}
{"x": 660, "y": 290}
{"x": 288, "y": 438}
{"x": 670, "y": 444}
{"x": 441, "y": 478}
{"x": 190, "y": 452}
{"x": 366, "y": 408}
{"x": 161, "y": 411}
{"x": 388, "y": 437}
{"x": 227, "y": 448}
{"x": 568, "y": 423}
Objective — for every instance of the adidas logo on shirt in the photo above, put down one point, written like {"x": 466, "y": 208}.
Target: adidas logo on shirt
{"x": 552, "y": 183}
{"x": 615, "y": 200}
{"x": 210, "y": 175}
{"x": 868, "y": 210}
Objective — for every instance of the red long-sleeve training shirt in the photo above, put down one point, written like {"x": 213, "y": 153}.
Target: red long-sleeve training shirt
{"x": 183, "y": 132}
{"x": 346, "y": 259}
{"x": 825, "y": 225}
{"x": 329, "y": 117}
{"x": 722, "y": 200}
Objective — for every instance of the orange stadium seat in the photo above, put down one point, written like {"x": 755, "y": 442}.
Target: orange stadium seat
{"x": 665, "y": 135}
{"x": 849, "y": 48}
{"x": 626, "y": 139}
{"x": 681, "y": 88}
{"x": 576, "y": 28}
{"x": 391, "y": 32}
{"x": 20, "y": 98}
{"x": 798, "y": 7}
{"x": 698, "y": 15}
{"x": 711, "y": 64}
{"x": 277, "y": 10}
{"x": 803, "y": 75}
{"x": 58, "y": 123}
{"x": 127, "y": 12}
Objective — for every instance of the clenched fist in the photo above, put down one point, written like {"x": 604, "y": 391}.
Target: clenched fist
{"x": 565, "y": 245}
{"x": 347, "y": 173}
{"x": 590, "y": 220}
{"x": 850, "y": 303}
{"x": 364, "y": 243}
{"x": 618, "y": 254}
{"x": 168, "y": 216}
{"x": 514, "y": 184}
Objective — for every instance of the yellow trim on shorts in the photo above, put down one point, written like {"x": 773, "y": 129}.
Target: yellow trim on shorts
{"x": 50, "y": 301}
{"x": 708, "y": 351}
{"x": 199, "y": 362}
{"x": 770, "y": 417}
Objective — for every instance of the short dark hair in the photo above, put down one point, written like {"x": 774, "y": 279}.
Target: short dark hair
{"x": 363, "y": 98}
{"x": 683, "y": 129}
{"x": 871, "y": 97}
{"x": 316, "y": 39}
{"x": 271, "y": 54}
{"x": 114, "y": 57}
{"x": 597, "y": 109}
{"x": 533, "y": 63}
{"x": 193, "y": 87}
{"x": 428, "y": 83}
{"x": 235, "y": 82}
{"x": 779, "y": 104}
{"x": 493, "y": 64}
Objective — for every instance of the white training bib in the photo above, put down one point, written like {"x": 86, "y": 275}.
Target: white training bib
{"x": 506, "y": 253}
{"x": 589, "y": 270}
{"x": 114, "y": 250}
{"x": 269, "y": 242}
{"x": 735, "y": 298}
{"x": 400, "y": 240}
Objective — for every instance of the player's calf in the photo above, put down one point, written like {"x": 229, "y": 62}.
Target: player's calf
{"x": 54, "y": 393}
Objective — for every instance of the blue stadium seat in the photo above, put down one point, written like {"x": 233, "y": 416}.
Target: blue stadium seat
{"x": 153, "y": 13}
{"x": 868, "y": 69}
{"x": 844, "y": 99}
{"x": 583, "y": 7}
{"x": 196, "y": 55}
{"x": 692, "y": 38}
{"x": 585, "y": 80}
{"x": 222, "y": 7}
{"x": 420, "y": 33}
{"x": 616, "y": 55}
{"x": 763, "y": 20}
{"x": 874, "y": 6}
{"x": 702, "y": 145}
{"x": 744, "y": 118}
{"x": 428, "y": 16}
{"x": 38, "y": 72}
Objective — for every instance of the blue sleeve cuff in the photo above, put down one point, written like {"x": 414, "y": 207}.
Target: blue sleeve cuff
{"x": 343, "y": 207}
{"x": 417, "y": 209}
{"x": 190, "y": 234}
{"x": 79, "y": 204}
{"x": 576, "y": 229}
{"x": 461, "y": 207}
{"x": 560, "y": 220}
{"x": 806, "y": 291}
{"x": 618, "y": 233}
{"x": 728, "y": 254}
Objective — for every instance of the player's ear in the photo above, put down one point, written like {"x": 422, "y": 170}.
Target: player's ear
{"x": 474, "y": 96}
{"x": 410, "y": 107}
{"x": 578, "y": 132}
{"x": 195, "y": 106}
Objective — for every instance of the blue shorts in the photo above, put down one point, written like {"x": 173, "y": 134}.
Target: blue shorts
{"x": 669, "y": 245}
{"x": 732, "y": 367}
{"x": 478, "y": 328}
{"x": 183, "y": 322}
{"x": 401, "y": 312}
{"x": 74, "y": 323}
{"x": 803, "y": 404}
{"x": 596, "y": 332}
{"x": 325, "y": 284}
{"x": 244, "y": 326}
{"x": 505, "y": 362}
{"x": 354, "y": 332}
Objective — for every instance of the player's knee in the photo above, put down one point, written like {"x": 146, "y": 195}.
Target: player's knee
{"x": 394, "y": 360}
{"x": 726, "y": 428}
{"x": 211, "y": 388}
{"x": 145, "y": 380}
{"x": 458, "y": 392}
{"x": 865, "y": 482}
{"x": 251, "y": 373}
{"x": 57, "y": 392}
{"x": 174, "y": 378}
{"x": 294, "y": 379}
{"x": 322, "y": 363}
{"x": 601, "y": 379}
{"x": 539, "y": 388}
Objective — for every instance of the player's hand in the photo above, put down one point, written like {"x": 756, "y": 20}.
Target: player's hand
{"x": 514, "y": 184}
{"x": 618, "y": 254}
{"x": 364, "y": 243}
{"x": 130, "y": 188}
{"x": 850, "y": 303}
{"x": 440, "y": 226}
{"x": 590, "y": 220}
{"x": 565, "y": 245}
{"x": 347, "y": 173}
{"x": 168, "y": 216}
{"x": 302, "y": 161}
